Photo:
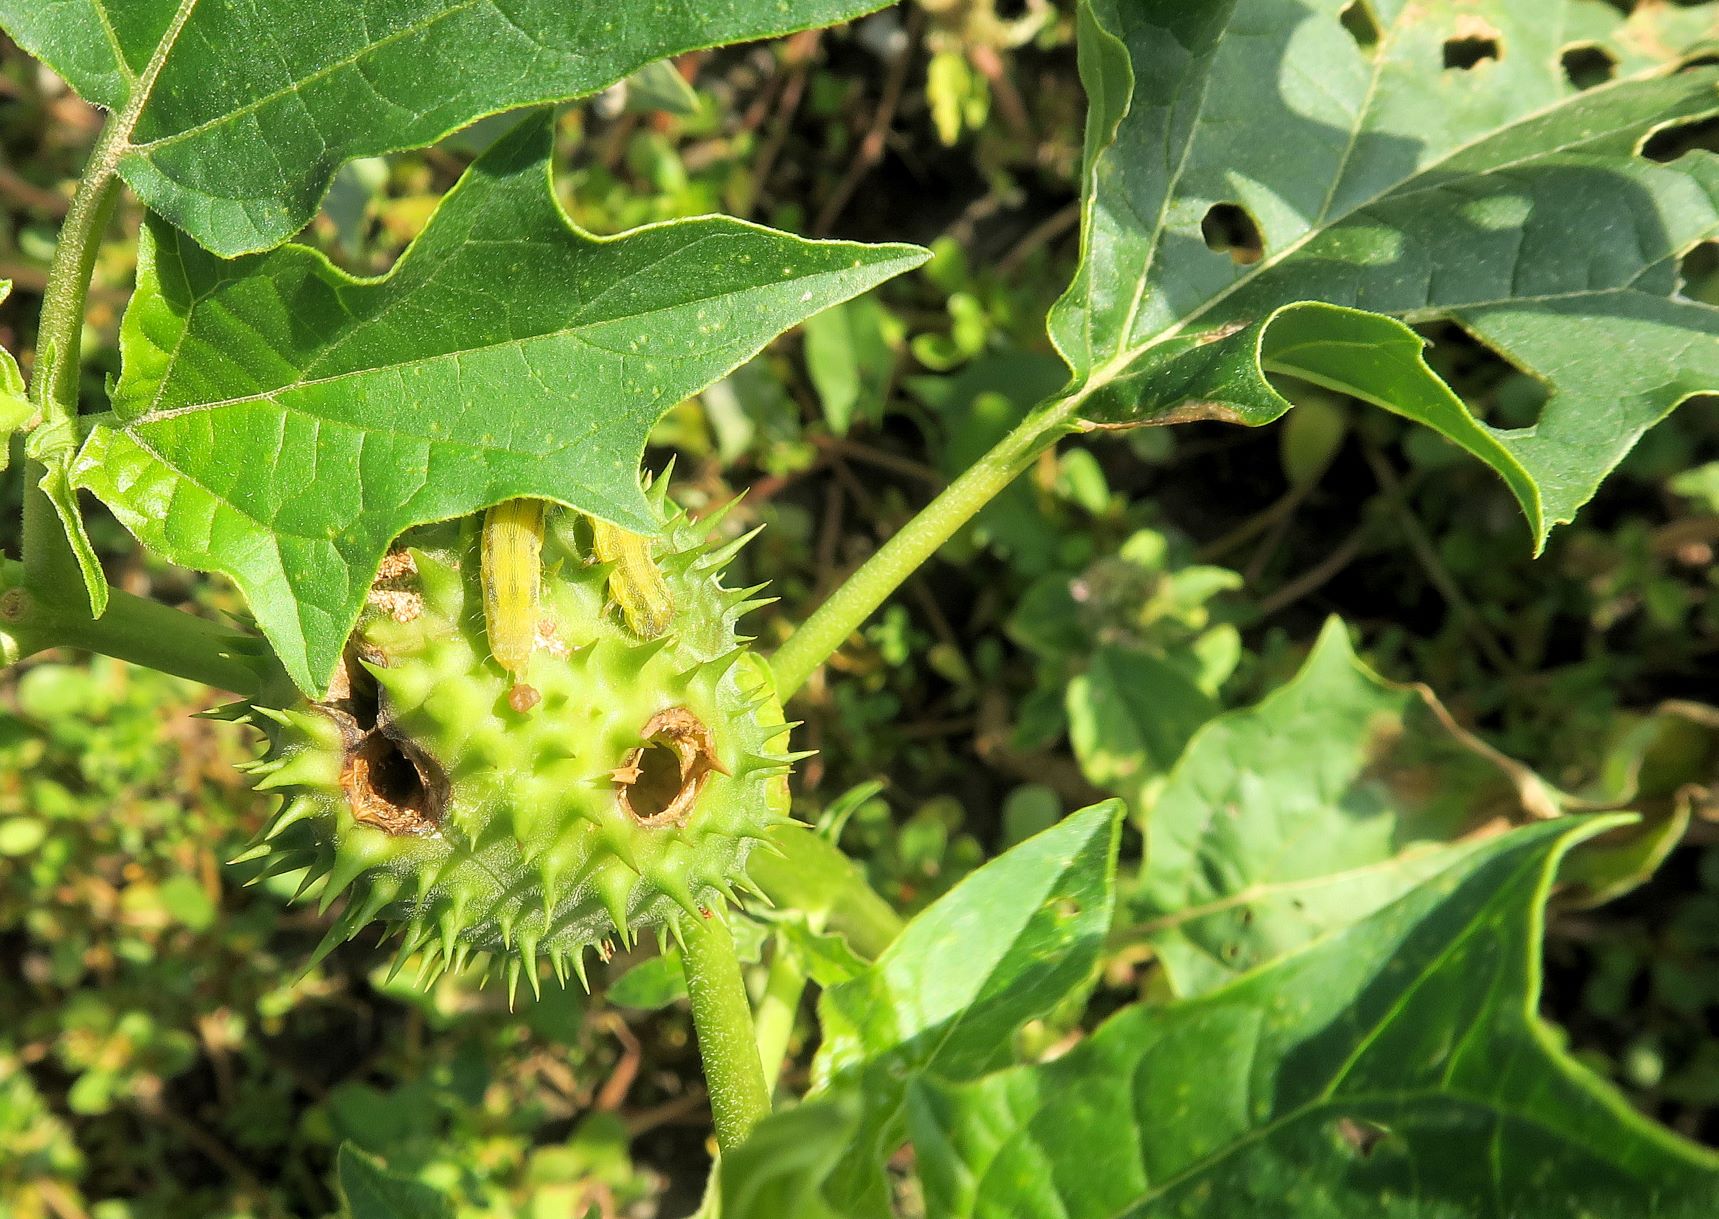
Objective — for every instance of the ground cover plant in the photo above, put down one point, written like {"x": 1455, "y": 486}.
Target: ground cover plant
{"x": 1056, "y": 845}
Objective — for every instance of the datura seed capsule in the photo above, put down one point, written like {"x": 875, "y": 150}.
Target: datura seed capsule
{"x": 625, "y": 793}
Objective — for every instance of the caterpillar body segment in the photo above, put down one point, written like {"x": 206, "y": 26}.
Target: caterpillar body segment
{"x": 511, "y": 557}
{"x": 635, "y": 583}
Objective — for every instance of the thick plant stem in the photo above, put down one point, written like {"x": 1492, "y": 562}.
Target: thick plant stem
{"x": 59, "y": 333}
{"x": 727, "y": 1041}
{"x": 52, "y": 571}
{"x": 141, "y": 631}
{"x": 860, "y": 595}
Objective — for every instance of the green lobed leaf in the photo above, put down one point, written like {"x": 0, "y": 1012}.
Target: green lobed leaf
{"x": 824, "y": 957}
{"x": 370, "y": 1191}
{"x": 1129, "y": 717}
{"x": 52, "y": 444}
{"x": 1291, "y": 820}
{"x": 1394, "y": 1067}
{"x": 808, "y": 874}
{"x": 232, "y": 118}
{"x": 55, "y": 444}
{"x": 282, "y": 422}
{"x": 1387, "y": 189}
{"x": 777, "y": 1172}
{"x": 1006, "y": 945}
{"x": 1662, "y": 762}
{"x": 660, "y": 87}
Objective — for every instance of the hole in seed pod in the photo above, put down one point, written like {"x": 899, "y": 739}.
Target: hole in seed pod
{"x": 659, "y": 780}
{"x": 390, "y": 788}
{"x": 389, "y": 782}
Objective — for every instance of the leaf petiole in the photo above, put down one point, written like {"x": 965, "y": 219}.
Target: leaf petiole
{"x": 867, "y": 588}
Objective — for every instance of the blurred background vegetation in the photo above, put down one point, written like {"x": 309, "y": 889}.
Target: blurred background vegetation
{"x": 162, "y": 1051}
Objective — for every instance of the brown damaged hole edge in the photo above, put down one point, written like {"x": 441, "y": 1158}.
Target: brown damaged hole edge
{"x": 391, "y": 786}
{"x": 389, "y": 783}
{"x": 657, "y": 795}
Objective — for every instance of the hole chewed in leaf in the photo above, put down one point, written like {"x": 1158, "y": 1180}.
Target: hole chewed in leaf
{"x": 1672, "y": 141}
{"x": 1229, "y": 229}
{"x": 659, "y": 781}
{"x": 1363, "y": 27}
{"x": 1475, "y": 42}
{"x": 1586, "y": 65}
{"x": 1698, "y": 273}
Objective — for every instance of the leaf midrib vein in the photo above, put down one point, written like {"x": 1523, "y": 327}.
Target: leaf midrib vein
{"x": 273, "y": 527}
{"x": 575, "y": 333}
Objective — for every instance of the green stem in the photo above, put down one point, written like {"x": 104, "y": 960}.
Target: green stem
{"x": 43, "y": 602}
{"x": 50, "y": 566}
{"x": 851, "y": 604}
{"x": 727, "y": 1041}
{"x": 138, "y": 630}
{"x": 777, "y": 1008}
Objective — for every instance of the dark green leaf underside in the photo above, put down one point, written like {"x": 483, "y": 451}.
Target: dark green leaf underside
{"x": 1392, "y": 190}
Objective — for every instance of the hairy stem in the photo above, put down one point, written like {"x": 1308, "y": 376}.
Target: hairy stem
{"x": 727, "y": 1041}
{"x": 43, "y": 602}
{"x": 860, "y": 595}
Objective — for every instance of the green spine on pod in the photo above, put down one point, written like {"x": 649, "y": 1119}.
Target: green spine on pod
{"x": 624, "y": 796}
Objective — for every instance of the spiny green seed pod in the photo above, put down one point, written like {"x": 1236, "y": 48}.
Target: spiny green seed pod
{"x": 621, "y": 790}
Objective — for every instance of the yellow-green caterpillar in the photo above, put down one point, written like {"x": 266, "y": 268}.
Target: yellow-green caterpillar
{"x": 634, "y": 581}
{"x": 511, "y": 557}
